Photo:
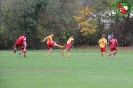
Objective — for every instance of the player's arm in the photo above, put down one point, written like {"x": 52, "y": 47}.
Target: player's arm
{"x": 109, "y": 43}
{"x": 45, "y": 39}
{"x": 99, "y": 42}
{"x": 116, "y": 43}
{"x": 72, "y": 40}
{"x": 106, "y": 44}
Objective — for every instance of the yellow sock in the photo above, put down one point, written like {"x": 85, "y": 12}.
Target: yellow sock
{"x": 64, "y": 50}
{"x": 60, "y": 46}
{"x": 104, "y": 52}
{"x": 48, "y": 54}
{"x": 68, "y": 54}
{"x": 101, "y": 55}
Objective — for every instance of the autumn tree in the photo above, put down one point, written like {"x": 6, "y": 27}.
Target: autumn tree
{"x": 87, "y": 24}
{"x": 118, "y": 25}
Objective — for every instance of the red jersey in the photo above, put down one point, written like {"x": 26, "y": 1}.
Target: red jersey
{"x": 21, "y": 40}
{"x": 113, "y": 42}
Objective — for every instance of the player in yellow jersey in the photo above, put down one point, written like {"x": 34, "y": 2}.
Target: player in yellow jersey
{"x": 68, "y": 46}
{"x": 50, "y": 44}
{"x": 103, "y": 45}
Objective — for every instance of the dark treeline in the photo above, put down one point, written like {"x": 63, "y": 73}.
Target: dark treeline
{"x": 85, "y": 19}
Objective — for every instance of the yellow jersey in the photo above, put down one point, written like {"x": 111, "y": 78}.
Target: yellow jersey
{"x": 49, "y": 39}
{"x": 102, "y": 42}
{"x": 70, "y": 40}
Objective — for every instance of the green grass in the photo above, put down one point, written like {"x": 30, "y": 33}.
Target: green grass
{"x": 85, "y": 69}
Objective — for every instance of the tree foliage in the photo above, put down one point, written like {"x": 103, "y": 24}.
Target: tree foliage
{"x": 38, "y": 18}
{"x": 118, "y": 25}
{"x": 64, "y": 18}
{"x": 20, "y": 17}
{"x": 85, "y": 21}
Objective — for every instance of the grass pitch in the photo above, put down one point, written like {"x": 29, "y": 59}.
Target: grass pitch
{"x": 85, "y": 69}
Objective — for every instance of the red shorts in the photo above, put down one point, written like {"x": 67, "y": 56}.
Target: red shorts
{"x": 68, "y": 46}
{"x": 103, "y": 49}
{"x": 21, "y": 46}
{"x": 50, "y": 45}
{"x": 113, "y": 48}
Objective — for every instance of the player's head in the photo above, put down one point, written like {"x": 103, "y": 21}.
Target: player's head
{"x": 72, "y": 36}
{"x": 103, "y": 36}
{"x": 26, "y": 35}
{"x": 52, "y": 34}
{"x": 113, "y": 37}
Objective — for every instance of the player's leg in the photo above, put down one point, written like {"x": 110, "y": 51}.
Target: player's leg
{"x": 68, "y": 49}
{"x": 64, "y": 50}
{"x": 20, "y": 53}
{"x": 103, "y": 51}
{"x": 49, "y": 51}
{"x": 21, "y": 47}
{"x": 111, "y": 52}
{"x": 24, "y": 51}
{"x": 68, "y": 53}
{"x": 15, "y": 50}
{"x": 60, "y": 46}
{"x": 101, "y": 55}
{"x": 49, "y": 45}
{"x": 15, "y": 47}
{"x": 115, "y": 51}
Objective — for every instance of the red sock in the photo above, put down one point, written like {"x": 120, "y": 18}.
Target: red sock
{"x": 14, "y": 51}
{"x": 24, "y": 53}
{"x": 114, "y": 53}
{"x": 21, "y": 52}
{"x": 109, "y": 55}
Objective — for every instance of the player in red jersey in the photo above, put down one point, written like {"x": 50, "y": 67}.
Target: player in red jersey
{"x": 50, "y": 44}
{"x": 68, "y": 46}
{"x": 21, "y": 43}
{"x": 113, "y": 49}
{"x": 103, "y": 45}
